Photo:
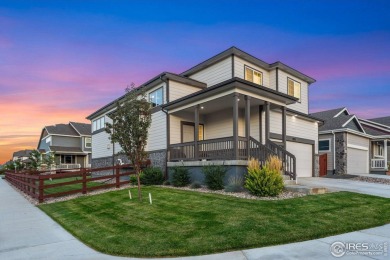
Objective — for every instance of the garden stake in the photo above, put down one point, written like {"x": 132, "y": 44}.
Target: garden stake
{"x": 150, "y": 198}
{"x": 130, "y": 194}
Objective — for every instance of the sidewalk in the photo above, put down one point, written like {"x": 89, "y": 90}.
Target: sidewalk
{"x": 28, "y": 233}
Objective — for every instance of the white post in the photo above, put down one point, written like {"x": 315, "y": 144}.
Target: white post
{"x": 150, "y": 198}
{"x": 130, "y": 194}
{"x": 385, "y": 152}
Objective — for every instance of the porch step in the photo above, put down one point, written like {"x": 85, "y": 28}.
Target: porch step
{"x": 289, "y": 182}
{"x": 306, "y": 190}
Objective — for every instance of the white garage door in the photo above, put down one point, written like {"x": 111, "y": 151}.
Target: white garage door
{"x": 357, "y": 161}
{"x": 303, "y": 155}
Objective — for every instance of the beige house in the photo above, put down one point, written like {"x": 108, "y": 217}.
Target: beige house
{"x": 222, "y": 111}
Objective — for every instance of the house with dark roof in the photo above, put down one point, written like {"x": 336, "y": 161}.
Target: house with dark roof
{"x": 70, "y": 143}
{"x": 224, "y": 110}
{"x": 22, "y": 155}
{"x": 352, "y": 145}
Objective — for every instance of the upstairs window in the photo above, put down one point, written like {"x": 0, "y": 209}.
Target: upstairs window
{"x": 88, "y": 142}
{"x": 98, "y": 124}
{"x": 253, "y": 75}
{"x": 324, "y": 145}
{"x": 156, "y": 97}
{"x": 294, "y": 88}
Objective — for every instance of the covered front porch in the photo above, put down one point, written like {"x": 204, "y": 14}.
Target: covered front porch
{"x": 232, "y": 125}
{"x": 379, "y": 156}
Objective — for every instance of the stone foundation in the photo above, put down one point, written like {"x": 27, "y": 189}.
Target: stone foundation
{"x": 157, "y": 159}
{"x": 341, "y": 153}
{"x": 316, "y": 165}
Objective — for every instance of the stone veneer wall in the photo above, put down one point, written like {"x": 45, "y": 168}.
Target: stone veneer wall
{"x": 316, "y": 165}
{"x": 341, "y": 153}
{"x": 157, "y": 159}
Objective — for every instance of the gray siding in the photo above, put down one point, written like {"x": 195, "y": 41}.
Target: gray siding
{"x": 65, "y": 141}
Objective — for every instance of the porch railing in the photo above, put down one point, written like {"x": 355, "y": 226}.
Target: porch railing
{"x": 378, "y": 164}
{"x": 223, "y": 149}
{"x": 68, "y": 166}
{"x": 288, "y": 159}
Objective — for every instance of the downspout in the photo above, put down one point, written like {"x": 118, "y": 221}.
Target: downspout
{"x": 167, "y": 123}
{"x": 334, "y": 152}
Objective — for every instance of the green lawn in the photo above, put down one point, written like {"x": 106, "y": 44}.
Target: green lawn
{"x": 68, "y": 187}
{"x": 181, "y": 223}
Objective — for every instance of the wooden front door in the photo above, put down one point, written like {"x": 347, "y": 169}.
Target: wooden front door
{"x": 323, "y": 164}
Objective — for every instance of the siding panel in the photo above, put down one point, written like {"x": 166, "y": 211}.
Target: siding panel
{"x": 239, "y": 70}
{"x": 216, "y": 73}
{"x": 303, "y": 106}
{"x": 178, "y": 90}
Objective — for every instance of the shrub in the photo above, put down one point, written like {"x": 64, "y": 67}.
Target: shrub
{"x": 195, "y": 185}
{"x": 166, "y": 183}
{"x": 214, "y": 175}
{"x": 264, "y": 182}
{"x": 180, "y": 176}
{"x": 133, "y": 179}
{"x": 235, "y": 184}
{"x": 274, "y": 163}
{"x": 152, "y": 176}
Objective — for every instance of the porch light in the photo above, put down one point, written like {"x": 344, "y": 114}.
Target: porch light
{"x": 202, "y": 107}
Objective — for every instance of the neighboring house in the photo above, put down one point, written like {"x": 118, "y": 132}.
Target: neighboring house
{"x": 71, "y": 144}
{"x": 211, "y": 112}
{"x": 351, "y": 145}
{"x": 22, "y": 155}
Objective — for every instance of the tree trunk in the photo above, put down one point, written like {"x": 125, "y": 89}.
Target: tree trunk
{"x": 137, "y": 171}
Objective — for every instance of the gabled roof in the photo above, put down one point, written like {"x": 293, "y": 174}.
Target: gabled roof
{"x": 160, "y": 78}
{"x": 61, "y": 129}
{"x": 246, "y": 56}
{"x": 338, "y": 118}
{"x": 382, "y": 120}
{"x": 22, "y": 153}
{"x": 81, "y": 128}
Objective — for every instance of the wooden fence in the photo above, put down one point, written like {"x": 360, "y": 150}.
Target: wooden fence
{"x": 42, "y": 185}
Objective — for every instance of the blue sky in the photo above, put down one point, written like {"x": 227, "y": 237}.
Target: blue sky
{"x": 61, "y": 60}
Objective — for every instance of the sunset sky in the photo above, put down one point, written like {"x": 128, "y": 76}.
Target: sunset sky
{"x": 62, "y": 60}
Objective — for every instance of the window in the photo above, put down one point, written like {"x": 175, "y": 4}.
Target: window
{"x": 98, "y": 124}
{"x": 378, "y": 151}
{"x": 253, "y": 75}
{"x": 88, "y": 142}
{"x": 156, "y": 97}
{"x": 324, "y": 145}
{"x": 67, "y": 159}
{"x": 294, "y": 88}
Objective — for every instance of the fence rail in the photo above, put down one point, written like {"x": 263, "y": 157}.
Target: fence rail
{"x": 43, "y": 185}
{"x": 378, "y": 164}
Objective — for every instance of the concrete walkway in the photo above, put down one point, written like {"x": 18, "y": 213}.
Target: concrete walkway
{"x": 381, "y": 190}
{"x": 28, "y": 233}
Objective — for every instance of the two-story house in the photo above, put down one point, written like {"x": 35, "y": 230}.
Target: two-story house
{"x": 70, "y": 143}
{"x": 22, "y": 155}
{"x": 224, "y": 110}
{"x": 352, "y": 145}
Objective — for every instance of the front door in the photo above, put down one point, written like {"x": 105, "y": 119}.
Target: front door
{"x": 323, "y": 164}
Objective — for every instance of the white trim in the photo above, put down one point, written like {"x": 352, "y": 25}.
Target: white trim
{"x": 339, "y": 113}
{"x": 373, "y": 125}
{"x": 359, "y": 147}
{"x": 357, "y": 120}
{"x": 330, "y": 146}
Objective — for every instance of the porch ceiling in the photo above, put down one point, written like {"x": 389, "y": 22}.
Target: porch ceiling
{"x": 219, "y": 96}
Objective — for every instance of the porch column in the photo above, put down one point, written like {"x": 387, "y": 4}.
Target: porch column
{"x": 284, "y": 126}
{"x": 267, "y": 123}
{"x": 247, "y": 124}
{"x": 235, "y": 125}
{"x": 385, "y": 152}
{"x": 196, "y": 133}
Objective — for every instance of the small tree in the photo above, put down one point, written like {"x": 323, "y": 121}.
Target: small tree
{"x": 49, "y": 160}
{"x": 35, "y": 160}
{"x": 131, "y": 121}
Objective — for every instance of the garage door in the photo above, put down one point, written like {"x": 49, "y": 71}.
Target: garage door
{"x": 357, "y": 161}
{"x": 303, "y": 154}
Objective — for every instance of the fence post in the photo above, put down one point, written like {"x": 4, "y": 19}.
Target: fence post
{"x": 117, "y": 176}
{"x": 40, "y": 197}
{"x": 33, "y": 189}
{"x": 84, "y": 173}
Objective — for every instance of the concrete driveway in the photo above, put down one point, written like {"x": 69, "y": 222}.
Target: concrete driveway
{"x": 28, "y": 233}
{"x": 381, "y": 190}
